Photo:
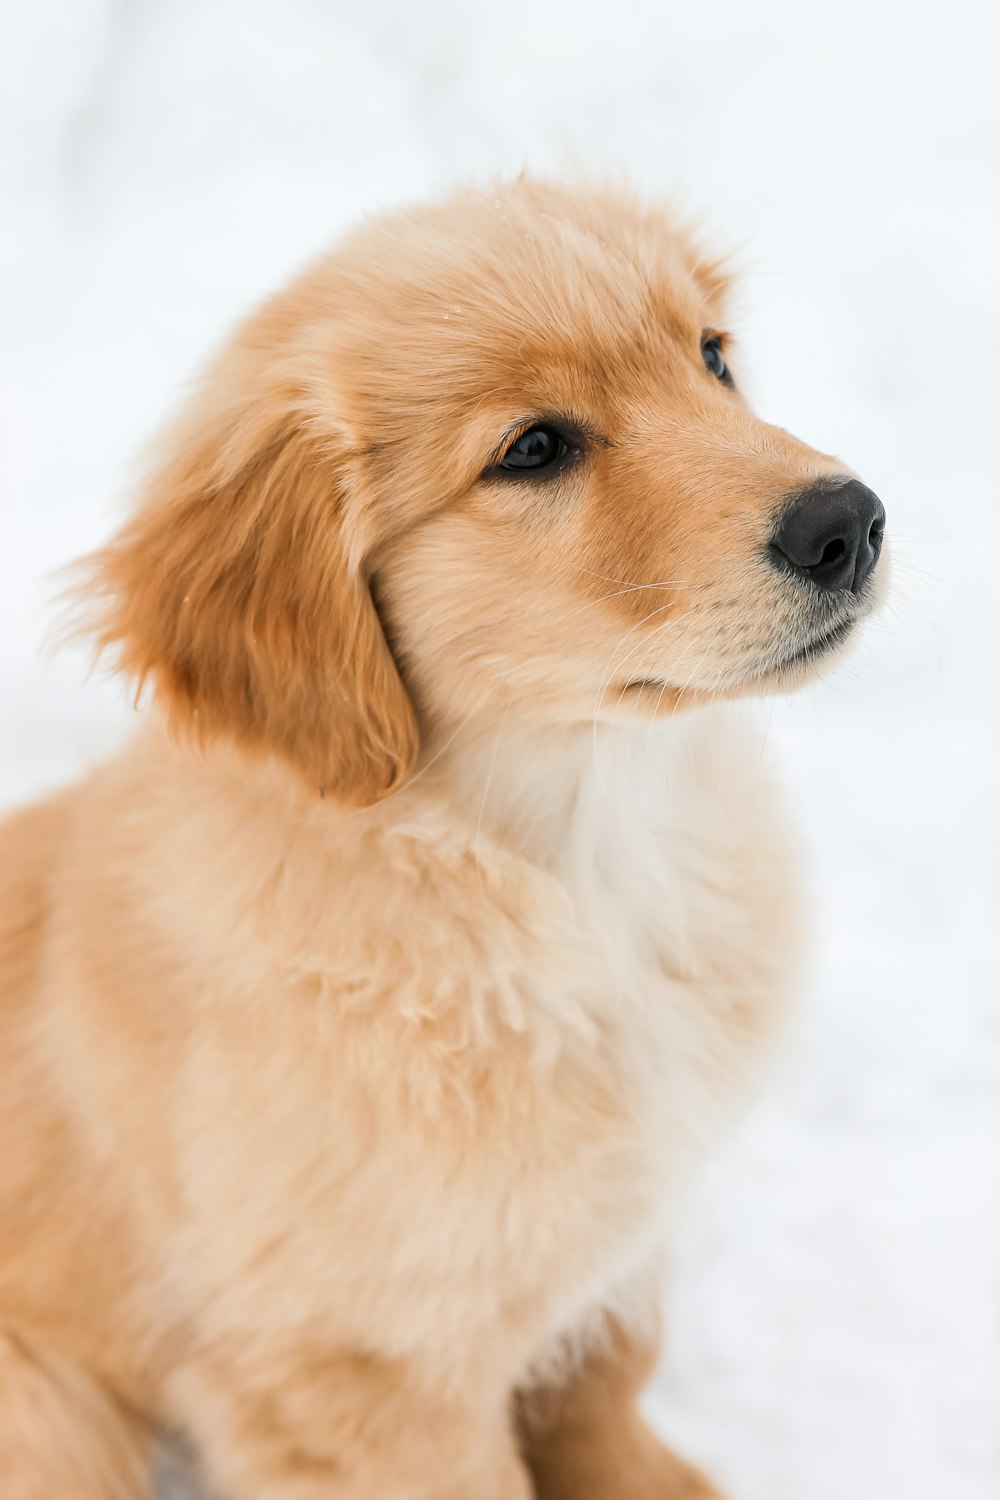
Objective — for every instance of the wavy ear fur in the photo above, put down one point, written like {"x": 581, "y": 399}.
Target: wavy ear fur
{"x": 236, "y": 592}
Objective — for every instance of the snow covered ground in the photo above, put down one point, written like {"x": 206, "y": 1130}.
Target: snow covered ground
{"x": 835, "y": 1319}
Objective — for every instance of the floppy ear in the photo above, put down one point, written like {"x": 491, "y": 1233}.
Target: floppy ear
{"x": 236, "y": 591}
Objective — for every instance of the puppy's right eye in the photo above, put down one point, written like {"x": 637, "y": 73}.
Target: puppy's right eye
{"x": 539, "y": 448}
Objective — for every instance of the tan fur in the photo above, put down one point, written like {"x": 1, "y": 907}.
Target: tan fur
{"x": 338, "y": 1124}
{"x": 585, "y": 1437}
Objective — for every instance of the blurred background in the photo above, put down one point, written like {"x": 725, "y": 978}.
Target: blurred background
{"x": 835, "y": 1317}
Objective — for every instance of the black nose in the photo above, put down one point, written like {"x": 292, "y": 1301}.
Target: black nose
{"x": 830, "y": 534}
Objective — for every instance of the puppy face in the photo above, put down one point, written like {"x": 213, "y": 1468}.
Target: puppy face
{"x": 506, "y": 436}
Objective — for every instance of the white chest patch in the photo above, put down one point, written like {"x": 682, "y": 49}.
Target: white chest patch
{"x": 651, "y": 880}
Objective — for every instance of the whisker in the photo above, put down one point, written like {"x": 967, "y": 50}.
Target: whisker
{"x": 439, "y": 752}
{"x": 628, "y": 583}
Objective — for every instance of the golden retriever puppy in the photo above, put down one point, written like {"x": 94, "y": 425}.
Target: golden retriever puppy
{"x": 361, "y": 1023}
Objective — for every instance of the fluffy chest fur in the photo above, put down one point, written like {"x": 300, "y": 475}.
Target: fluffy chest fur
{"x": 449, "y": 1067}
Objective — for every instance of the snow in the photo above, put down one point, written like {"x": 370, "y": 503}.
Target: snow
{"x": 835, "y": 1317}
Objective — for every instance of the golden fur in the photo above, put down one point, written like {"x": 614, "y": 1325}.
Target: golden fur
{"x": 362, "y": 1021}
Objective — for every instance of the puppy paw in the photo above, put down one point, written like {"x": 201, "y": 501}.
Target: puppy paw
{"x": 625, "y": 1462}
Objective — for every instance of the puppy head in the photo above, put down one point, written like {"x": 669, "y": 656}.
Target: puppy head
{"x": 506, "y": 434}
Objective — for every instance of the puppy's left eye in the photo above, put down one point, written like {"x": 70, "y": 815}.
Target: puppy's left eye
{"x": 715, "y": 360}
{"x": 541, "y": 447}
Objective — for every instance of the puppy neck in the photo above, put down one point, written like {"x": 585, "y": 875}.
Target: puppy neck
{"x": 534, "y": 790}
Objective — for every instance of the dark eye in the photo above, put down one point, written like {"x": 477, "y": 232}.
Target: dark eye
{"x": 538, "y": 448}
{"x": 715, "y": 360}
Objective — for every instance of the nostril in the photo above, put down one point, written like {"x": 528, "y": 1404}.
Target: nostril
{"x": 876, "y": 531}
{"x": 833, "y": 552}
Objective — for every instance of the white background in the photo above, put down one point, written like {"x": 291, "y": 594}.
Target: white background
{"x": 835, "y": 1318}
